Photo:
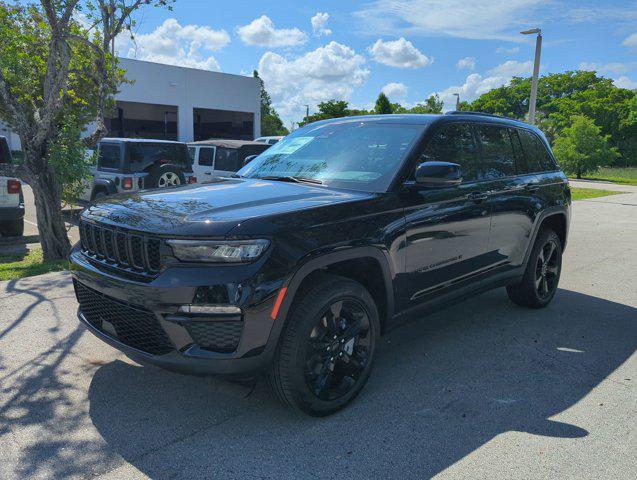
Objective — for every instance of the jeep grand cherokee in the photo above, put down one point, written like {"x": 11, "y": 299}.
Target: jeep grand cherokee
{"x": 296, "y": 266}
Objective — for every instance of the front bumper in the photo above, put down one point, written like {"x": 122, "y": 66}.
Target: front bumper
{"x": 131, "y": 312}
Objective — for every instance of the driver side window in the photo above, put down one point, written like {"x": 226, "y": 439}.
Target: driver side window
{"x": 454, "y": 143}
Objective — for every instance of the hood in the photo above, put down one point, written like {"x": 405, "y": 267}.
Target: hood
{"x": 213, "y": 208}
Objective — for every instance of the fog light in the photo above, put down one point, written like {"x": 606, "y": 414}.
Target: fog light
{"x": 210, "y": 309}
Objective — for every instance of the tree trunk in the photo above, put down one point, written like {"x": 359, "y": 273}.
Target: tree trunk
{"x": 53, "y": 236}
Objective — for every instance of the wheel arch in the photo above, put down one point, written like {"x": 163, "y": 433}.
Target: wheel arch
{"x": 366, "y": 265}
{"x": 103, "y": 184}
{"x": 557, "y": 219}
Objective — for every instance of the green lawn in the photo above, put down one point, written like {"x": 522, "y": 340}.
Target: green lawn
{"x": 626, "y": 176}
{"x": 584, "y": 193}
{"x": 12, "y": 267}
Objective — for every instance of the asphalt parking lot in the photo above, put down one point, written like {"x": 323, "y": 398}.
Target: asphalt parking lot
{"x": 483, "y": 389}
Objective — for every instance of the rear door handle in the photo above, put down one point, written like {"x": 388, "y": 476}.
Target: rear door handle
{"x": 532, "y": 187}
{"x": 478, "y": 196}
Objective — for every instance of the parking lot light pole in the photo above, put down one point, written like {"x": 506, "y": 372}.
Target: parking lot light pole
{"x": 457, "y": 95}
{"x": 536, "y": 70}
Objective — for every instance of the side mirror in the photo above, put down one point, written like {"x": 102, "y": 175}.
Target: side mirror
{"x": 438, "y": 174}
{"x": 248, "y": 159}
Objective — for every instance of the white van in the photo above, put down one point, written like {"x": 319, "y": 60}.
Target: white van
{"x": 222, "y": 158}
{"x": 11, "y": 198}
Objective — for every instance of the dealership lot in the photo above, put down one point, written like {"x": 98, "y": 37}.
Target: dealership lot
{"x": 481, "y": 389}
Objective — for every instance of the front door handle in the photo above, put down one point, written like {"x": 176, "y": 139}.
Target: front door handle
{"x": 207, "y": 173}
{"x": 477, "y": 197}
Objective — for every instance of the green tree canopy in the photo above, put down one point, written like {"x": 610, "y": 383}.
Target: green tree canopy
{"x": 581, "y": 148}
{"x": 383, "y": 105}
{"x": 271, "y": 123}
{"x": 562, "y": 95}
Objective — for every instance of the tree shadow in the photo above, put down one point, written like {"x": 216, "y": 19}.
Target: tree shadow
{"x": 443, "y": 386}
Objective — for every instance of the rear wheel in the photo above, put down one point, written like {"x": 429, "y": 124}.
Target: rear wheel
{"x": 327, "y": 347}
{"x": 542, "y": 274}
{"x": 14, "y": 228}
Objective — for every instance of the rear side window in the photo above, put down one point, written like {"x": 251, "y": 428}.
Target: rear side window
{"x": 205, "y": 156}
{"x": 109, "y": 156}
{"x": 5, "y": 153}
{"x": 454, "y": 143}
{"x": 144, "y": 154}
{"x": 498, "y": 157}
{"x": 227, "y": 159}
{"x": 535, "y": 152}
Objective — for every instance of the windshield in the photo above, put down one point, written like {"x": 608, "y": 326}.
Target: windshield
{"x": 358, "y": 155}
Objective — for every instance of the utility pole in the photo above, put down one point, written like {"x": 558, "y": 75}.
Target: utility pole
{"x": 457, "y": 95}
{"x": 536, "y": 70}
{"x": 307, "y": 112}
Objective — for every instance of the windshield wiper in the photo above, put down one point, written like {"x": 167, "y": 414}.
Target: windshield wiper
{"x": 293, "y": 179}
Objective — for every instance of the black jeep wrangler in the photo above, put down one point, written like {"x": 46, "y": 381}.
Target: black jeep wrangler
{"x": 296, "y": 266}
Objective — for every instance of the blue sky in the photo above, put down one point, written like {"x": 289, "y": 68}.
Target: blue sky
{"x": 308, "y": 52}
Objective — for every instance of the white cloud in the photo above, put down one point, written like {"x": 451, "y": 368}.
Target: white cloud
{"x": 474, "y": 86}
{"x": 319, "y": 24}
{"x": 512, "y": 68}
{"x": 630, "y": 41}
{"x": 467, "y": 62}
{"x": 508, "y": 51}
{"x": 608, "y": 68}
{"x": 625, "y": 82}
{"x": 331, "y": 71}
{"x": 261, "y": 32}
{"x": 174, "y": 44}
{"x": 486, "y": 19}
{"x": 399, "y": 53}
{"x": 395, "y": 90}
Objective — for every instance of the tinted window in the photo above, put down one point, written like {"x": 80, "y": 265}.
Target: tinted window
{"x": 109, "y": 156}
{"x": 498, "y": 158}
{"x": 144, "y": 154}
{"x": 362, "y": 155}
{"x": 5, "y": 153}
{"x": 537, "y": 157}
{"x": 205, "y": 156}
{"x": 455, "y": 144}
{"x": 227, "y": 159}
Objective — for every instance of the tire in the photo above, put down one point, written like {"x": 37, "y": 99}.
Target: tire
{"x": 14, "y": 228}
{"x": 99, "y": 194}
{"x": 306, "y": 347}
{"x": 162, "y": 176}
{"x": 541, "y": 277}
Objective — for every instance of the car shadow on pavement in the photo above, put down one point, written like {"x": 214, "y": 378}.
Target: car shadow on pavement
{"x": 443, "y": 386}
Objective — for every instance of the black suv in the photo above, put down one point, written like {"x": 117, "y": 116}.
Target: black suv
{"x": 296, "y": 266}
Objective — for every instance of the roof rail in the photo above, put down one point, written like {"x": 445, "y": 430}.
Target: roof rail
{"x": 482, "y": 114}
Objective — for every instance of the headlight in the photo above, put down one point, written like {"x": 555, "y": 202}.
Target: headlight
{"x": 218, "y": 252}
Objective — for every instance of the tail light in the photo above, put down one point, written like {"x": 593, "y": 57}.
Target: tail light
{"x": 127, "y": 183}
{"x": 192, "y": 179}
{"x": 14, "y": 186}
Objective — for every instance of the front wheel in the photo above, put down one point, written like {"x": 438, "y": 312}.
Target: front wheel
{"x": 542, "y": 274}
{"x": 327, "y": 347}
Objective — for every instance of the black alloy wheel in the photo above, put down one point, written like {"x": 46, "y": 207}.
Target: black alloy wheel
{"x": 326, "y": 350}
{"x": 547, "y": 269}
{"x": 337, "y": 349}
{"x": 542, "y": 275}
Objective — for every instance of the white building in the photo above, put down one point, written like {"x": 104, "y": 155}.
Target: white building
{"x": 177, "y": 103}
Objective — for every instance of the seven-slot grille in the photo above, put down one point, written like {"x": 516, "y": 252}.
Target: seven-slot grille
{"x": 138, "y": 254}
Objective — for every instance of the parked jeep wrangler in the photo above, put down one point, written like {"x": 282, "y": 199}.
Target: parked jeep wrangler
{"x": 132, "y": 164}
{"x": 11, "y": 198}
{"x": 296, "y": 267}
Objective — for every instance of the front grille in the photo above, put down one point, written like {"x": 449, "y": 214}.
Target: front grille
{"x": 218, "y": 336}
{"x": 138, "y": 255}
{"x": 132, "y": 326}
